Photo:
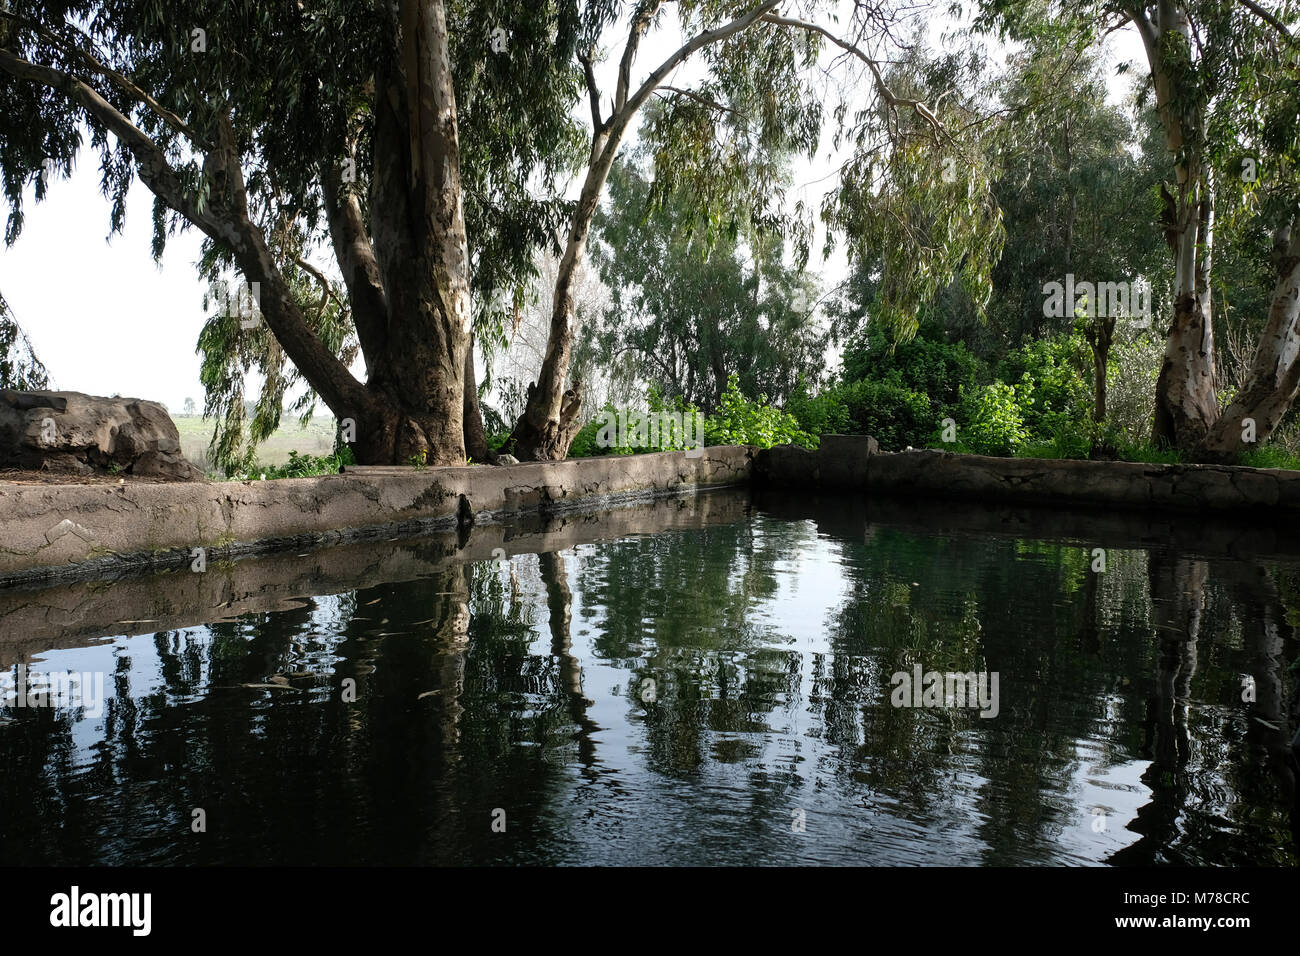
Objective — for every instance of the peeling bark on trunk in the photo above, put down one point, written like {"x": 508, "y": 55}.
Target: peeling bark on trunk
{"x": 1186, "y": 402}
{"x": 418, "y": 232}
{"x": 1274, "y": 377}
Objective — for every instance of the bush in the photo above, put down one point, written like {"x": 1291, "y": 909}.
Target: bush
{"x": 937, "y": 370}
{"x": 823, "y": 414}
{"x": 298, "y": 466}
{"x": 738, "y": 421}
{"x": 1149, "y": 454}
{"x": 1067, "y": 441}
{"x": 895, "y": 416}
{"x": 1135, "y": 360}
{"x": 1052, "y": 384}
{"x": 991, "y": 422}
{"x": 584, "y": 442}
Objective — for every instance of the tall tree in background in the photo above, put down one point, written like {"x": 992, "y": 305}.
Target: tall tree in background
{"x": 762, "y": 99}
{"x": 550, "y": 418}
{"x": 693, "y": 312}
{"x": 1224, "y": 77}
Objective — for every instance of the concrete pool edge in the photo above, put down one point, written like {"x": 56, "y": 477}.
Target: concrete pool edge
{"x": 852, "y": 463}
{"x": 59, "y": 532}
{"x": 64, "y": 532}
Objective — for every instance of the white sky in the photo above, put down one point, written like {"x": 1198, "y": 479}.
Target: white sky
{"x": 105, "y": 319}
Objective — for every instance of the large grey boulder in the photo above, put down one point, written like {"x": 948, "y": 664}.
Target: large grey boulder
{"x": 83, "y": 434}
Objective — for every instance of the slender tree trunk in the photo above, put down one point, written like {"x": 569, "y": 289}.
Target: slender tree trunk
{"x": 1100, "y": 335}
{"x": 476, "y": 446}
{"x": 550, "y": 420}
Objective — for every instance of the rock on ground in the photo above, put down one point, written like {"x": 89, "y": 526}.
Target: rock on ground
{"x": 79, "y": 434}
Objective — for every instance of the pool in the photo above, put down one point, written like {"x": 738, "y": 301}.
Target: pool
{"x": 732, "y": 678}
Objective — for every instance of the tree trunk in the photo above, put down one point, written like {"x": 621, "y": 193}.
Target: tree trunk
{"x": 476, "y": 446}
{"x": 1186, "y": 402}
{"x": 1274, "y": 377}
{"x": 418, "y": 228}
{"x": 546, "y": 429}
{"x": 1100, "y": 334}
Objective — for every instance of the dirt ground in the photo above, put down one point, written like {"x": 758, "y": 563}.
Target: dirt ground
{"x": 21, "y": 476}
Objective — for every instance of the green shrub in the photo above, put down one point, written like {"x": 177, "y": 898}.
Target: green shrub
{"x": 584, "y": 442}
{"x": 1150, "y": 454}
{"x": 937, "y": 370}
{"x": 1067, "y": 441}
{"x": 1135, "y": 360}
{"x": 739, "y": 421}
{"x": 895, "y": 416}
{"x": 991, "y": 422}
{"x": 1052, "y": 383}
{"x": 298, "y": 466}
{"x": 821, "y": 414}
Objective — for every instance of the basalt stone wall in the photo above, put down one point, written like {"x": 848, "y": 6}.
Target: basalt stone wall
{"x": 64, "y": 531}
{"x": 855, "y": 463}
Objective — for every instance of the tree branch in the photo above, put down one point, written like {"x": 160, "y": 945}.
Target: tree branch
{"x": 119, "y": 80}
{"x": 640, "y": 23}
{"x": 1271, "y": 20}
{"x": 357, "y": 262}
{"x": 323, "y": 370}
{"x": 593, "y": 93}
{"x": 882, "y": 88}
{"x": 629, "y": 108}
{"x": 698, "y": 97}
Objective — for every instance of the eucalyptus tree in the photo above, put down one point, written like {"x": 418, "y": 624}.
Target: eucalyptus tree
{"x": 913, "y": 192}
{"x": 1224, "y": 76}
{"x": 690, "y": 312}
{"x": 410, "y": 139}
{"x": 279, "y": 128}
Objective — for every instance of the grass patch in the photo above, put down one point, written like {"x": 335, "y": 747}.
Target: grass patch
{"x": 1270, "y": 456}
{"x": 316, "y": 440}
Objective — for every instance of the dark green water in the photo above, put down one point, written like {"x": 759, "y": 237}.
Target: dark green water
{"x": 681, "y": 692}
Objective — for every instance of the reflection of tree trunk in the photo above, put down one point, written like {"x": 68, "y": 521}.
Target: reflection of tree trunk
{"x": 1177, "y": 602}
{"x": 1264, "y": 632}
{"x": 1177, "y": 590}
{"x": 559, "y": 602}
{"x": 452, "y": 630}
